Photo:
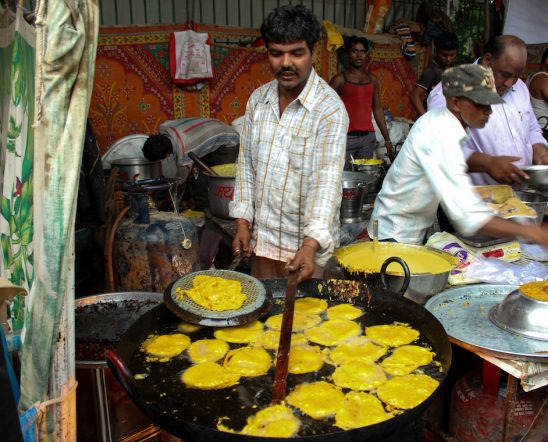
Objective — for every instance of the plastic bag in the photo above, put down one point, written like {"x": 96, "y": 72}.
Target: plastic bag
{"x": 190, "y": 57}
{"x": 495, "y": 271}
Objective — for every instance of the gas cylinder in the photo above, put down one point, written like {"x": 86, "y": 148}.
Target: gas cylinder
{"x": 478, "y": 416}
{"x": 153, "y": 248}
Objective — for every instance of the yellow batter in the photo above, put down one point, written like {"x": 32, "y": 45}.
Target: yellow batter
{"x": 209, "y": 376}
{"x": 360, "y": 410}
{"x": 362, "y": 161}
{"x": 207, "y": 350}
{"x": 248, "y": 361}
{"x": 273, "y": 421}
{"x": 310, "y": 305}
{"x": 359, "y": 375}
{"x": 333, "y": 332}
{"x": 537, "y": 290}
{"x": 270, "y": 340}
{"x": 406, "y": 359}
{"x": 214, "y": 293}
{"x": 304, "y": 359}
{"x": 392, "y": 335}
{"x": 344, "y": 311}
{"x": 358, "y": 348}
{"x": 301, "y": 321}
{"x": 318, "y": 399}
{"x": 241, "y": 334}
{"x": 407, "y": 391}
{"x": 166, "y": 346}
{"x": 187, "y": 327}
{"x": 226, "y": 170}
{"x": 362, "y": 258}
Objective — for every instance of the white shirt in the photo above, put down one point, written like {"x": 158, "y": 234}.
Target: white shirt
{"x": 512, "y": 129}
{"x": 429, "y": 169}
{"x": 289, "y": 178}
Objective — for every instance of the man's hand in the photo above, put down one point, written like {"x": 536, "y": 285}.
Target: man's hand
{"x": 503, "y": 170}
{"x": 540, "y": 154}
{"x": 241, "y": 242}
{"x": 303, "y": 261}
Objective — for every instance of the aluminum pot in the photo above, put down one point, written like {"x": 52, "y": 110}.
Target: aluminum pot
{"x": 422, "y": 285}
{"x": 355, "y": 186}
{"x": 375, "y": 171}
{"x": 137, "y": 169}
{"x": 221, "y": 189}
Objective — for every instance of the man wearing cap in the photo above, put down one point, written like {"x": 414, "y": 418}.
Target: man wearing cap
{"x": 512, "y": 138}
{"x": 431, "y": 169}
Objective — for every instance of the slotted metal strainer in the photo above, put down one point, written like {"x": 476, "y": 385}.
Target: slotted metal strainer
{"x": 258, "y": 303}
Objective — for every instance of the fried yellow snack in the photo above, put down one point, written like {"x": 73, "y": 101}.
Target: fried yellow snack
{"x": 344, "y": 311}
{"x": 214, "y": 293}
{"x": 358, "y": 348}
{"x": 209, "y": 376}
{"x": 166, "y": 346}
{"x": 187, "y": 327}
{"x": 248, "y": 361}
{"x": 537, "y": 290}
{"x": 406, "y": 359}
{"x": 359, "y": 375}
{"x": 304, "y": 359}
{"x": 207, "y": 350}
{"x": 360, "y": 410}
{"x": 313, "y": 306}
{"x": 273, "y": 421}
{"x": 407, "y": 391}
{"x": 392, "y": 335}
{"x": 318, "y": 399}
{"x": 241, "y": 334}
{"x": 333, "y": 332}
{"x": 270, "y": 340}
{"x": 301, "y": 321}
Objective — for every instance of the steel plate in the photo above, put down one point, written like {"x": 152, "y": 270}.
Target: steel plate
{"x": 464, "y": 313}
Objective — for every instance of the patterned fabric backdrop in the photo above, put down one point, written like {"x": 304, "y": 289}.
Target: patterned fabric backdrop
{"x": 133, "y": 92}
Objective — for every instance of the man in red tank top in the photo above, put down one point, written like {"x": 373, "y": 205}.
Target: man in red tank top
{"x": 359, "y": 91}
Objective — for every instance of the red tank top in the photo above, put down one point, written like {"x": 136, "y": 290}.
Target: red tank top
{"x": 358, "y": 100}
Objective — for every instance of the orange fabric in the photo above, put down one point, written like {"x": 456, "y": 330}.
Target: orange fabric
{"x": 133, "y": 92}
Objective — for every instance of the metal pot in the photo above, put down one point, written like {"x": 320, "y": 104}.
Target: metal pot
{"x": 221, "y": 189}
{"x": 137, "y": 169}
{"x": 355, "y": 186}
{"x": 422, "y": 286}
{"x": 375, "y": 171}
{"x": 192, "y": 414}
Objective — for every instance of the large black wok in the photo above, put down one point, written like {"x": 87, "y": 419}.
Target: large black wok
{"x": 192, "y": 414}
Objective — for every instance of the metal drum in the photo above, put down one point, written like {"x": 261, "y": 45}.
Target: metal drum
{"x": 355, "y": 186}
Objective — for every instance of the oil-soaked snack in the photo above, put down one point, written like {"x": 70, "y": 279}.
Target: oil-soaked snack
{"x": 344, "y": 311}
{"x": 209, "y": 376}
{"x": 187, "y": 327}
{"x": 301, "y": 321}
{"x": 392, "y": 335}
{"x": 166, "y": 346}
{"x": 537, "y": 290}
{"x": 359, "y": 375}
{"x": 406, "y": 359}
{"x": 214, "y": 293}
{"x": 241, "y": 334}
{"x": 304, "y": 359}
{"x": 207, "y": 350}
{"x": 318, "y": 399}
{"x": 273, "y": 421}
{"x": 248, "y": 361}
{"x": 360, "y": 409}
{"x": 313, "y": 306}
{"x": 333, "y": 332}
{"x": 407, "y": 391}
{"x": 270, "y": 339}
{"x": 358, "y": 348}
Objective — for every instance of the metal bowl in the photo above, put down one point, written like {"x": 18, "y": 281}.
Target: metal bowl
{"x": 538, "y": 176}
{"x": 522, "y": 315}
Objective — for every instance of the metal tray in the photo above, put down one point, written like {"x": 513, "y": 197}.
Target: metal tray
{"x": 464, "y": 313}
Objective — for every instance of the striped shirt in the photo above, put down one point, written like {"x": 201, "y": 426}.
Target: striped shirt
{"x": 290, "y": 167}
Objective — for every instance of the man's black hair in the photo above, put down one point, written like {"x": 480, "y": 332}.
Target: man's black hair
{"x": 354, "y": 39}
{"x": 496, "y": 46}
{"x": 157, "y": 147}
{"x": 447, "y": 41}
{"x": 289, "y": 24}
{"x": 544, "y": 56}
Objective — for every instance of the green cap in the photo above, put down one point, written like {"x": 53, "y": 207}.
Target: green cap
{"x": 472, "y": 81}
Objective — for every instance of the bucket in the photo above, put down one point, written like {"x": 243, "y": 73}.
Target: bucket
{"x": 373, "y": 169}
{"x": 355, "y": 186}
{"x": 137, "y": 169}
{"x": 221, "y": 189}
{"x": 104, "y": 411}
{"x": 536, "y": 201}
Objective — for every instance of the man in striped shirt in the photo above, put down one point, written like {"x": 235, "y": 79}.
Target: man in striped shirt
{"x": 288, "y": 185}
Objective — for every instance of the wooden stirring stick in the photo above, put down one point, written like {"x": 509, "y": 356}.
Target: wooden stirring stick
{"x": 282, "y": 361}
